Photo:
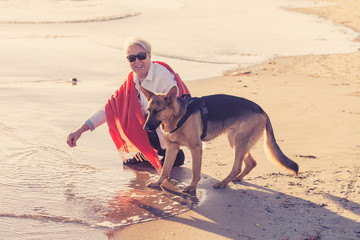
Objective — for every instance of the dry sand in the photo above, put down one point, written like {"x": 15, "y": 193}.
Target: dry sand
{"x": 314, "y": 105}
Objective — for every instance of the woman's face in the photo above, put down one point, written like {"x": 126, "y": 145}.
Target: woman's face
{"x": 140, "y": 67}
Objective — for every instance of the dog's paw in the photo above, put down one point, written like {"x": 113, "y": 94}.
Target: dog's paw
{"x": 189, "y": 189}
{"x": 153, "y": 185}
{"x": 219, "y": 185}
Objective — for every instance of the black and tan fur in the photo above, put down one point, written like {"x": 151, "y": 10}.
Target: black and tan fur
{"x": 243, "y": 121}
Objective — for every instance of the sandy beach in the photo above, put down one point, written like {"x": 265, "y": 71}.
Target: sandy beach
{"x": 313, "y": 103}
{"x": 51, "y": 191}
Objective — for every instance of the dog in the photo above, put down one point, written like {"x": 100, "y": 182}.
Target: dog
{"x": 242, "y": 120}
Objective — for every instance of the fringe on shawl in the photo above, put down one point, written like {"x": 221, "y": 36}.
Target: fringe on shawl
{"x": 137, "y": 155}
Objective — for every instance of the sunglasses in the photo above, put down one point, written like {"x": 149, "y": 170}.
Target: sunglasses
{"x": 140, "y": 56}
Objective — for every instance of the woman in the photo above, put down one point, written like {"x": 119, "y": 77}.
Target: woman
{"x": 125, "y": 112}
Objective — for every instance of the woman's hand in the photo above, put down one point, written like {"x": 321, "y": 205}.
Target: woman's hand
{"x": 74, "y": 136}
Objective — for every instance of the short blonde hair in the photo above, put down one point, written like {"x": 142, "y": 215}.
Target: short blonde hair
{"x": 137, "y": 40}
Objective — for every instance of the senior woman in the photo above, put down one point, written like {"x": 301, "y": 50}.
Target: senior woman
{"x": 125, "y": 112}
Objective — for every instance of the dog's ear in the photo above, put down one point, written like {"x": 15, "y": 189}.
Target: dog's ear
{"x": 171, "y": 95}
{"x": 148, "y": 94}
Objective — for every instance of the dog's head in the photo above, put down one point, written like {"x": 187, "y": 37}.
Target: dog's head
{"x": 160, "y": 107}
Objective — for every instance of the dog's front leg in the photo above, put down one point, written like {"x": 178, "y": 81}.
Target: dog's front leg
{"x": 196, "y": 154}
{"x": 170, "y": 156}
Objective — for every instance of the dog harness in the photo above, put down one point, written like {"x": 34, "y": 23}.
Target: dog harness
{"x": 194, "y": 104}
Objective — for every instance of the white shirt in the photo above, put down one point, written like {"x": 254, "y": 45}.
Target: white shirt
{"x": 159, "y": 80}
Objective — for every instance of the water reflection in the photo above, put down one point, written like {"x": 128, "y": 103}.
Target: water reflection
{"x": 139, "y": 203}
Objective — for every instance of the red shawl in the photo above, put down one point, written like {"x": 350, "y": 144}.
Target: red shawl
{"x": 125, "y": 120}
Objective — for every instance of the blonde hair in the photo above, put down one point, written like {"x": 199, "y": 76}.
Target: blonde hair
{"x": 137, "y": 40}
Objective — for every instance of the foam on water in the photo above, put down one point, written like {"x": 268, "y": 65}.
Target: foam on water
{"x": 47, "y": 11}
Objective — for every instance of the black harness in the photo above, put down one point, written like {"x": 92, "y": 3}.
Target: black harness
{"x": 194, "y": 104}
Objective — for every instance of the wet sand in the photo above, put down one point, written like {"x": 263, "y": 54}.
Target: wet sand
{"x": 313, "y": 103}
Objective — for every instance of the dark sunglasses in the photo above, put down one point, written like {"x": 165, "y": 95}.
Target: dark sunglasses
{"x": 140, "y": 56}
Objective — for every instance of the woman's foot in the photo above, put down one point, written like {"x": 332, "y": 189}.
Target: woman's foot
{"x": 137, "y": 159}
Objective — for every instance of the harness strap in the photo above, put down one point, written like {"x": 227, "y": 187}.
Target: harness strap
{"x": 194, "y": 105}
{"x": 204, "y": 117}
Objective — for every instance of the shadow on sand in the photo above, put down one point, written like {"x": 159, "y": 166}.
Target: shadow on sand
{"x": 248, "y": 211}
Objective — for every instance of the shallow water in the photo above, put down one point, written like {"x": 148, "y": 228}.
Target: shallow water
{"x": 46, "y": 193}
{"x": 49, "y": 191}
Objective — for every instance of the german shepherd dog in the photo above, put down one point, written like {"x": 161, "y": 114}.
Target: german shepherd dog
{"x": 242, "y": 120}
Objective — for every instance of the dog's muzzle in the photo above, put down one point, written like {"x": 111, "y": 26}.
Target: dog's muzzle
{"x": 151, "y": 126}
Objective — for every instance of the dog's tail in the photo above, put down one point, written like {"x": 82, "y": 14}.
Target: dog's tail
{"x": 274, "y": 152}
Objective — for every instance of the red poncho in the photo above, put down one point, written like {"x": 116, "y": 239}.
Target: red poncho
{"x": 125, "y": 120}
